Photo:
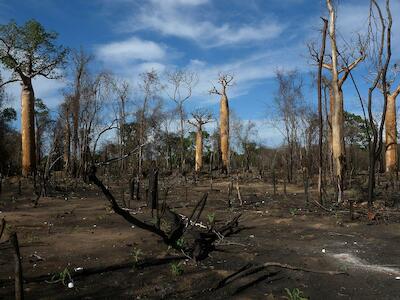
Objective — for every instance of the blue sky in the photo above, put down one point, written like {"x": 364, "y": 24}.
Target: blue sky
{"x": 250, "y": 39}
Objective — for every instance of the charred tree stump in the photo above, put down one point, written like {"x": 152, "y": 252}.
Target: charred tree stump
{"x": 132, "y": 188}
{"x": 19, "y": 291}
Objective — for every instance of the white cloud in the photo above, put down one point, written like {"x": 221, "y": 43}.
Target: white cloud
{"x": 130, "y": 50}
{"x": 181, "y": 18}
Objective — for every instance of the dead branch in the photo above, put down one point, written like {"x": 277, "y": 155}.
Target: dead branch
{"x": 203, "y": 242}
{"x": 123, "y": 213}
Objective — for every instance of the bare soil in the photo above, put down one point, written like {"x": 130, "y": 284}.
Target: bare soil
{"x": 78, "y": 230}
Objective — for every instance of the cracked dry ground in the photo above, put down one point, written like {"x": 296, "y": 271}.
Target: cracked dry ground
{"x": 83, "y": 232}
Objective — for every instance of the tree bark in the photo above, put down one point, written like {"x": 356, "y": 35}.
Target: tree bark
{"x": 199, "y": 150}
{"x": 28, "y": 128}
{"x": 391, "y": 135}
{"x": 337, "y": 115}
{"x": 321, "y": 130}
{"x": 67, "y": 140}
{"x": 224, "y": 132}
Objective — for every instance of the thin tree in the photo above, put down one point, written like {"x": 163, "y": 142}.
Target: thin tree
{"x": 181, "y": 83}
{"x": 80, "y": 68}
{"x": 225, "y": 80}
{"x": 29, "y": 51}
{"x": 321, "y": 129}
{"x": 338, "y": 148}
{"x": 65, "y": 116}
{"x": 382, "y": 61}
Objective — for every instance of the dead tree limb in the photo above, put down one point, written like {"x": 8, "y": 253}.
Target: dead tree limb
{"x": 203, "y": 242}
{"x": 123, "y": 213}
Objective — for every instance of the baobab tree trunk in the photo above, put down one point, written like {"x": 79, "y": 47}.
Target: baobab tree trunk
{"x": 199, "y": 150}
{"x": 330, "y": 140}
{"x": 28, "y": 128}
{"x": 224, "y": 132}
{"x": 391, "y": 135}
{"x": 337, "y": 114}
{"x": 338, "y": 143}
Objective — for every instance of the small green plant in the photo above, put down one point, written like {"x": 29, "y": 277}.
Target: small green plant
{"x": 64, "y": 277}
{"x": 180, "y": 242}
{"x": 177, "y": 269}
{"x": 293, "y": 211}
{"x": 295, "y": 294}
{"x": 211, "y": 218}
{"x": 136, "y": 253}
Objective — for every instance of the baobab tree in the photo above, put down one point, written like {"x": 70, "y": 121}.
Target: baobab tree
{"x": 337, "y": 81}
{"x": 181, "y": 84}
{"x": 201, "y": 117}
{"x": 29, "y": 51}
{"x": 225, "y": 80}
{"x": 391, "y": 128}
{"x": 383, "y": 50}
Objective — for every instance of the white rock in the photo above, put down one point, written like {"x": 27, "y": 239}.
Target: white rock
{"x": 71, "y": 285}
{"x": 323, "y": 251}
{"x": 397, "y": 278}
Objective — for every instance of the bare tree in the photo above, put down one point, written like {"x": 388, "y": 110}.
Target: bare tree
{"x": 201, "y": 117}
{"x": 245, "y": 133}
{"x": 338, "y": 148}
{"x": 181, "y": 83}
{"x": 381, "y": 63}
{"x": 65, "y": 115}
{"x": 122, "y": 91}
{"x": 150, "y": 87}
{"x": 81, "y": 61}
{"x": 225, "y": 80}
{"x": 321, "y": 123}
{"x": 289, "y": 102}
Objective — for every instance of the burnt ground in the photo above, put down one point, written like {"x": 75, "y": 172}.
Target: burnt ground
{"x": 78, "y": 230}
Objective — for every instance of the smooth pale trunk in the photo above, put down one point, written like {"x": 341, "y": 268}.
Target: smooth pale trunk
{"x": 224, "y": 132}
{"x": 338, "y": 142}
{"x": 338, "y": 148}
{"x": 331, "y": 110}
{"x": 199, "y": 150}
{"x": 391, "y": 135}
{"x": 28, "y": 130}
